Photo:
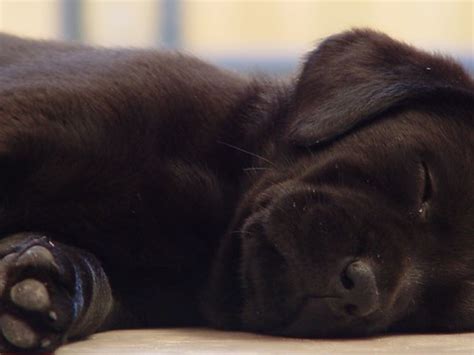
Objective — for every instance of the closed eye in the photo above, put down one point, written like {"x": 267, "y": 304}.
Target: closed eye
{"x": 427, "y": 184}
{"x": 426, "y": 189}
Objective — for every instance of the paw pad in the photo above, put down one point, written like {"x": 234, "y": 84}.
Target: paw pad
{"x": 31, "y": 295}
{"x": 18, "y": 332}
{"x": 37, "y": 307}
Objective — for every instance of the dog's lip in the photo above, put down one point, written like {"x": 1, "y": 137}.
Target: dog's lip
{"x": 299, "y": 324}
{"x": 291, "y": 326}
{"x": 300, "y": 308}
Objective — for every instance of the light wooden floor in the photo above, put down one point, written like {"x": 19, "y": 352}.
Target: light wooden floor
{"x": 204, "y": 341}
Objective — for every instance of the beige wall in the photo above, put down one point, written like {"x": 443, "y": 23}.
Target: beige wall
{"x": 287, "y": 25}
{"x": 33, "y": 18}
{"x": 251, "y": 27}
{"x": 119, "y": 23}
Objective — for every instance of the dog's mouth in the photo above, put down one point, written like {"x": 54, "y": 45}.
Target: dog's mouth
{"x": 303, "y": 323}
{"x": 276, "y": 310}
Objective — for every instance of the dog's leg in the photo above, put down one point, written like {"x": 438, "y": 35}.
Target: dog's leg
{"x": 49, "y": 292}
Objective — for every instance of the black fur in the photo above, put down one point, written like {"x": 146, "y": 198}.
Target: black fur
{"x": 176, "y": 193}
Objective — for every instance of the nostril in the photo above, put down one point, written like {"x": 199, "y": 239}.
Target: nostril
{"x": 346, "y": 280}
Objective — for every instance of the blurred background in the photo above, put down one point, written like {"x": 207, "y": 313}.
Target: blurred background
{"x": 248, "y": 35}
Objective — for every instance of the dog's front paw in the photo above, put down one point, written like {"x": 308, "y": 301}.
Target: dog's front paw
{"x": 37, "y": 290}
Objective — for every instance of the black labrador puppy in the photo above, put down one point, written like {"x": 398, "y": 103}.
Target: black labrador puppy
{"x": 141, "y": 189}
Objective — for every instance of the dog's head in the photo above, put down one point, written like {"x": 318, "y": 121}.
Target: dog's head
{"x": 365, "y": 219}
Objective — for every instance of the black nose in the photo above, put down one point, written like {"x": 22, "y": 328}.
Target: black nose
{"x": 357, "y": 287}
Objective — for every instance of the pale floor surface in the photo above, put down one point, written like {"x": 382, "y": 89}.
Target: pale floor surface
{"x": 204, "y": 341}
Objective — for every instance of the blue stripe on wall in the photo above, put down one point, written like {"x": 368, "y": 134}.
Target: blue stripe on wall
{"x": 71, "y": 19}
{"x": 170, "y": 31}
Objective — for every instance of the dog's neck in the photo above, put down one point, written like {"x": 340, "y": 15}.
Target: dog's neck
{"x": 250, "y": 135}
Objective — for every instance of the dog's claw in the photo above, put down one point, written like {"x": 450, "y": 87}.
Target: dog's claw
{"x": 31, "y": 295}
{"x": 17, "y": 332}
{"x": 45, "y": 343}
{"x": 53, "y": 315}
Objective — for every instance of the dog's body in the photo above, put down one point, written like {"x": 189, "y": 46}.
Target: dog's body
{"x": 148, "y": 189}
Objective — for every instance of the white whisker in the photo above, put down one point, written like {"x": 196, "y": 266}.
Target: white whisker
{"x": 247, "y": 152}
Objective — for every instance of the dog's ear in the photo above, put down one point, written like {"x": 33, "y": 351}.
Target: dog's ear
{"x": 355, "y": 76}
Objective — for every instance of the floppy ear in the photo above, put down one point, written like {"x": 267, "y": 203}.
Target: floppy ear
{"x": 355, "y": 76}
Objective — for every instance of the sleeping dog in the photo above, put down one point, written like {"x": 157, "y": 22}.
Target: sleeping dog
{"x": 143, "y": 188}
